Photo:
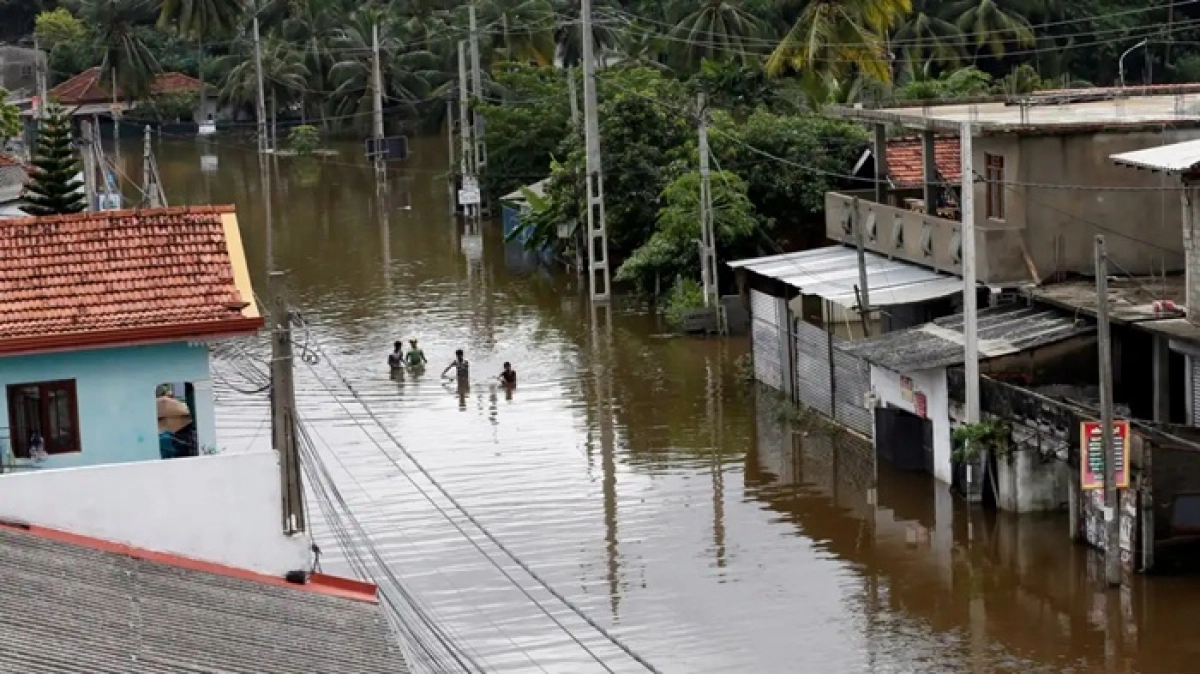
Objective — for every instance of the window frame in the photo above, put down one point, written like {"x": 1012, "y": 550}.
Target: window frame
{"x": 20, "y": 445}
{"x": 994, "y": 178}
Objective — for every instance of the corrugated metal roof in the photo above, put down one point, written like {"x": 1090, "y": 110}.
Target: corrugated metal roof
{"x": 832, "y": 273}
{"x": 69, "y": 608}
{"x": 1002, "y": 331}
{"x": 1173, "y": 158}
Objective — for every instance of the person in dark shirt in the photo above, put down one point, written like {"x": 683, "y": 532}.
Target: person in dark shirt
{"x": 396, "y": 357}
{"x": 460, "y": 366}
{"x": 509, "y": 376}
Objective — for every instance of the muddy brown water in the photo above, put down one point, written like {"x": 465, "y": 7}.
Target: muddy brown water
{"x": 639, "y": 475}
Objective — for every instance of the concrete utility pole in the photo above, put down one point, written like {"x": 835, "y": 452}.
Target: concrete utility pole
{"x": 261, "y": 111}
{"x": 450, "y": 146}
{"x": 377, "y": 86}
{"x": 574, "y": 99}
{"x": 283, "y": 409}
{"x": 708, "y": 239}
{"x": 479, "y": 146}
{"x": 151, "y": 189}
{"x": 970, "y": 308}
{"x": 40, "y": 76}
{"x": 1112, "y": 509}
{"x": 597, "y": 237}
{"x": 466, "y": 170}
{"x": 89, "y": 163}
{"x": 864, "y": 291}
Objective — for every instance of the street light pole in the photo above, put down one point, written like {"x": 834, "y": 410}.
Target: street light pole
{"x": 1121, "y": 61}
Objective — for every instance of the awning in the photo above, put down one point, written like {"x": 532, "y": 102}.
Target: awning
{"x": 518, "y": 195}
{"x": 1174, "y": 158}
{"x": 832, "y": 273}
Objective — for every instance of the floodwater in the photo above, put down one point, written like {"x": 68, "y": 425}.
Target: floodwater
{"x": 640, "y": 476}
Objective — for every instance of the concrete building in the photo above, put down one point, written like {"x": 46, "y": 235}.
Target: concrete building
{"x": 1044, "y": 185}
{"x": 18, "y": 70}
{"x": 106, "y": 314}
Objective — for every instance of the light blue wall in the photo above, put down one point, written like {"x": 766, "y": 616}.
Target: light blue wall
{"x": 118, "y": 418}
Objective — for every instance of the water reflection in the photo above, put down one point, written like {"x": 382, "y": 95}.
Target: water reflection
{"x": 640, "y": 476}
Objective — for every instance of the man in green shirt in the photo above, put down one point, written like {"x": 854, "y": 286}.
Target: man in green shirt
{"x": 415, "y": 358}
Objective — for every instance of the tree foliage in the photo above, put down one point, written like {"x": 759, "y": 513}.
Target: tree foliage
{"x": 54, "y": 189}
{"x": 10, "y": 118}
{"x": 58, "y": 27}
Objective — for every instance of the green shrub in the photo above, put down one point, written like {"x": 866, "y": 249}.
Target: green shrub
{"x": 304, "y": 139}
{"x": 687, "y": 294}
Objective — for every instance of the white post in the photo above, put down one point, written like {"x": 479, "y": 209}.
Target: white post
{"x": 89, "y": 164}
{"x": 377, "y": 86}
{"x": 477, "y": 135}
{"x": 41, "y": 78}
{"x": 970, "y": 310}
{"x": 262, "y": 96}
{"x": 1112, "y": 506}
{"x": 464, "y": 123}
{"x": 708, "y": 241}
{"x": 598, "y": 276}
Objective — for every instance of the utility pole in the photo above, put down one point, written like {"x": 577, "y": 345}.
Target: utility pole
{"x": 40, "y": 73}
{"x": 283, "y": 409}
{"x": 151, "y": 188}
{"x": 479, "y": 146}
{"x": 574, "y": 99}
{"x": 450, "y": 146}
{"x": 597, "y": 243}
{"x": 864, "y": 291}
{"x": 262, "y": 96}
{"x": 464, "y": 125}
{"x": 970, "y": 310}
{"x": 89, "y": 163}
{"x": 380, "y": 166}
{"x": 708, "y": 243}
{"x": 1112, "y": 510}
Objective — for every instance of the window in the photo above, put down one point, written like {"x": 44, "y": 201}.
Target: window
{"x": 26, "y": 71}
{"x": 46, "y": 410}
{"x": 995, "y": 185}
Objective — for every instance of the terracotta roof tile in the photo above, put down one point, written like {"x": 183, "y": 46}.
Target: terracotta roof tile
{"x": 6, "y": 160}
{"x": 74, "y": 275}
{"x": 86, "y": 87}
{"x": 904, "y": 165}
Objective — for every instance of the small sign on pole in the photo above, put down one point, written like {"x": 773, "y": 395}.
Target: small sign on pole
{"x": 468, "y": 196}
{"x": 1092, "y": 454}
{"x": 393, "y": 148}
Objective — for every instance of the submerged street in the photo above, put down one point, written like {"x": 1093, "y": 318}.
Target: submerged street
{"x": 640, "y": 475}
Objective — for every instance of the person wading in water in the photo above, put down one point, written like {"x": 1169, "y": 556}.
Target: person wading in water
{"x": 460, "y": 366}
{"x": 508, "y": 378}
{"x": 415, "y": 358}
{"x": 396, "y": 357}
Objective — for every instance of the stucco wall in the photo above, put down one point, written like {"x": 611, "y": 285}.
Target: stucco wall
{"x": 932, "y": 383}
{"x": 223, "y": 509}
{"x": 1058, "y": 225}
{"x": 118, "y": 420}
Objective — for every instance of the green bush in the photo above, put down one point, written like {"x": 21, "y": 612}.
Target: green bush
{"x": 304, "y": 139}
{"x": 687, "y": 294}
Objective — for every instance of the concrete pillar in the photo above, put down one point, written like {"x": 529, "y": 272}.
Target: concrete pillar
{"x": 1191, "y": 202}
{"x": 1162, "y": 378}
{"x": 881, "y": 185}
{"x": 929, "y": 163}
{"x": 205, "y": 419}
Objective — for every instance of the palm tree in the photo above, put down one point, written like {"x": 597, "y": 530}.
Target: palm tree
{"x": 526, "y": 29}
{"x": 127, "y": 61}
{"x": 312, "y": 27}
{"x": 716, "y": 30}
{"x": 990, "y": 27}
{"x": 568, "y": 45}
{"x": 285, "y": 78}
{"x": 924, "y": 39}
{"x": 833, "y": 38}
{"x": 409, "y": 75}
{"x": 201, "y": 20}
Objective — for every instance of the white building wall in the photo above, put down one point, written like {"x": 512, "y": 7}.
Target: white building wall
{"x": 225, "y": 509}
{"x": 889, "y": 390}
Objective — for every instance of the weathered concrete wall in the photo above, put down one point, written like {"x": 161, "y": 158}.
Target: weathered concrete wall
{"x": 932, "y": 384}
{"x": 1058, "y": 225}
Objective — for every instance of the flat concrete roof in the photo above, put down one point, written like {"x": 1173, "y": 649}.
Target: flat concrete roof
{"x": 1061, "y": 112}
{"x": 1131, "y": 300}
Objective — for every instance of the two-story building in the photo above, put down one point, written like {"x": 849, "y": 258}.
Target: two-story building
{"x": 104, "y": 317}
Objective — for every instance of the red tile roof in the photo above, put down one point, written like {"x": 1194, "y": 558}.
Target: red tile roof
{"x": 122, "y": 277}
{"x": 6, "y": 160}
{"x": 86, "y": 87}
{"x": 904, "y": 165}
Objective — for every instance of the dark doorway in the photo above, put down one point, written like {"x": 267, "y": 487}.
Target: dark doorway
{"x": 903, "y": 439}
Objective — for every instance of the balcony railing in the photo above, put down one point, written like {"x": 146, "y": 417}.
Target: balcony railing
{"x": 895, "y": 232}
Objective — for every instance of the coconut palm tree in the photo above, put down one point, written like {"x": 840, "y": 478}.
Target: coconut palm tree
{"x": 201, "y": 20}
{"x": 312, "y": 27}
{"x": 523, "y": 29}
{"x": 924, "y": 39}
{"x": 569, "y": 46}
{"x": 990, "y": 27}
{"x": 126, "y": 59}
{"x": 832, "y": 39}
{"x": 285, "y": 77}
{"x": 717, "y": 30}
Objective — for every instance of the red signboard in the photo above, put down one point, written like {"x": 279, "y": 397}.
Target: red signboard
{"x": 922, "y": 405}
{"x": 1091, "y": 454}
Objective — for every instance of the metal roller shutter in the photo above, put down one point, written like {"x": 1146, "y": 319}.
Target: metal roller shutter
{"x": 853, "y": 376}
{"x": 765, "y": 342}
{"x": 813, "y": 385}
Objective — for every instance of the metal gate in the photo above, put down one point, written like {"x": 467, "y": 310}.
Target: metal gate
{"x": 765, "y": 342}
{"x": 813, "y": 384}
{"x": 853, "y": 377}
